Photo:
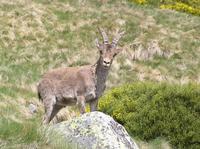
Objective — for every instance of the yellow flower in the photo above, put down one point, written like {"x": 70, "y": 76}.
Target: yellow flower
{"x": 140, "y": 1}
{"x": 182, "y": 7}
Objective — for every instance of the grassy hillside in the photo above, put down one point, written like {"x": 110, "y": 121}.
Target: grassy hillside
{"x": 38, "y": 35}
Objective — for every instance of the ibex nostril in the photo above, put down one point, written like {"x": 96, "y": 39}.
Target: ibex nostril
{"x": 106, "y": 62}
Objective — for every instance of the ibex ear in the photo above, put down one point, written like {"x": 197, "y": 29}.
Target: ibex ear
{"x": 99, "y": 46}
{"x": 97, "y": 43}
{"x": 118, "y": 50}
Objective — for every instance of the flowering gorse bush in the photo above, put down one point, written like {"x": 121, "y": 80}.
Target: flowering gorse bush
{"x": 182, "y": 7}
{"x": 189, "y": 6}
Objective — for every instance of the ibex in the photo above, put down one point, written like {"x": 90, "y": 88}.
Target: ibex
{"x": 78, "y": 85}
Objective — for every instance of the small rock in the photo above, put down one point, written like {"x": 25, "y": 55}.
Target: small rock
{"x": 32, "y": 108}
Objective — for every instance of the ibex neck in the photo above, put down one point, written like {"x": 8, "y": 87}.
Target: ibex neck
{"x": 101, "y": 73}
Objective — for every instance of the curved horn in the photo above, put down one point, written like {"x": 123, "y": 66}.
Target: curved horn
{"x": 97, "y": 43}
{"x": 116, "y": 39}
{"x": 104, "y": 35}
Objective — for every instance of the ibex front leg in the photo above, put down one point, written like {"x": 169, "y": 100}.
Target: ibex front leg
{"x": 93, "y": 105}
{"x": 81, "y": 103}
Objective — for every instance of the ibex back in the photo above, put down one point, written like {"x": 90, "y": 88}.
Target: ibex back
{"x": 78, "y": 85}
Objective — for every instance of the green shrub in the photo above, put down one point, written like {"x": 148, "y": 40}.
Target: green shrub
{"x": 149, "y": 110}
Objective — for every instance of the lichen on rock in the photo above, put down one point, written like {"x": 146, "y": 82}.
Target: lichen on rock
{"x": 93, "y": 130}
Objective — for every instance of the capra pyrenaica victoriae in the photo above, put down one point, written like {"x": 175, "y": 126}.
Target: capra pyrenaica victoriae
{"x": 64, "y": 86}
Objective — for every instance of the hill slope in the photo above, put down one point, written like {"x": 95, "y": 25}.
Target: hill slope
{"x": 39, "y": 35}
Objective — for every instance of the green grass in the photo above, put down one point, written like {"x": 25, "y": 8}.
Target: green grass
{"x": 40, "y": 35}
{"x": 158, "y": 143}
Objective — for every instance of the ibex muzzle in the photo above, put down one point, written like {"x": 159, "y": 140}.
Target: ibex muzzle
{"x": 78, "y": 85}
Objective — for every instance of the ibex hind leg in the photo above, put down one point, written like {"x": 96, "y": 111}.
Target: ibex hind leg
{"x": 81, "y": 104}
{"x": 56, "y": 109}
{"x": 49, "y": 105}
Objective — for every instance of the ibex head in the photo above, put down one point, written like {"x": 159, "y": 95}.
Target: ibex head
{"x": 108, "y": 50}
